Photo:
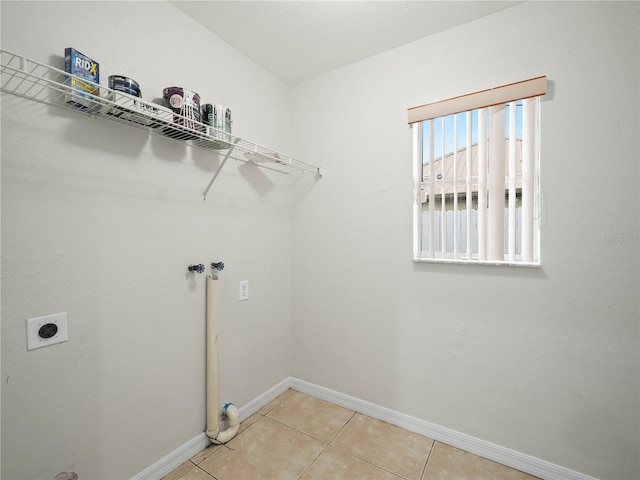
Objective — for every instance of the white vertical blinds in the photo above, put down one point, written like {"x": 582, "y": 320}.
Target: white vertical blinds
{"x": 476, "y": 176}
{"x": 529, "y": 176}
{"x": 469, "y": 185}
{"x": 512, "y": 182}
{"x": 432, "y": 193}
{"x": 482, "y": 183}
{"x": 495, "y": 238}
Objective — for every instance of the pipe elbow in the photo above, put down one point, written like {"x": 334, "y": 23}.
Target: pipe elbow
{"x": 232, "y": 414}
{"x": 233, "y": 417}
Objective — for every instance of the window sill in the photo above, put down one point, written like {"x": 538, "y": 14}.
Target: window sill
{"x": 495, "y": 263}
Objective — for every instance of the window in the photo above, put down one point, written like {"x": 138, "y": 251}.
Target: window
{"x": 476, "y": 177}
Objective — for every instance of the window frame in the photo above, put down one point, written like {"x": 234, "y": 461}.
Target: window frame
{"x": 528, "y": 89}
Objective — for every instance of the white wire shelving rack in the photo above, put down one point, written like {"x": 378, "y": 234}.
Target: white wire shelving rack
{"x": 42, "y": 83}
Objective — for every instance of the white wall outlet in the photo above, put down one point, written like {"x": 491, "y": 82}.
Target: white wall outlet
{"x": 244, "y": 290}
{"x": 47, "y": 330}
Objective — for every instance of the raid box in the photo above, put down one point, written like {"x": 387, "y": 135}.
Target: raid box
{"x": 86, "y": 68}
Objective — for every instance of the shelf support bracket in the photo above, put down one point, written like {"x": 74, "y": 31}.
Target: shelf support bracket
{"x": 215, "y": 175}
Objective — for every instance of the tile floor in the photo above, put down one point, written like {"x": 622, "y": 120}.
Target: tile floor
{"x": 297, "y": 436}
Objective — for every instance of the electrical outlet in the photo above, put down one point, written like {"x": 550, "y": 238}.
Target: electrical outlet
{"x": 244, "y": 290}
{"x": 47, "y": 330}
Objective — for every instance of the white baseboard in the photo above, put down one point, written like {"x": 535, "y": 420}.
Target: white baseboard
{"x": 505, "y": 456}
{"x": 263, "y": 399}
{"x": 169, "y": 463}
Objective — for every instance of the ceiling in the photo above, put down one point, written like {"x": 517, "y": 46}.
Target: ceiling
{"x": 296, "y": 40}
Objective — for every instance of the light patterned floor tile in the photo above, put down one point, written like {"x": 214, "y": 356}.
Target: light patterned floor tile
{"x": 366, "y": 448}
{"x": 275, "y": 402}
{"x": 310, "y": 415}
{"x": 449, "y": 463}
{"x": 201, "y": 455}
{"x": 248, "y": 422}
{"x": 392, "y": 448}
{"x": 336, "y": 465}
{"x": 178, "y": 472}
{"x": 266, "y": 450}
{"x": 196, "y": 474}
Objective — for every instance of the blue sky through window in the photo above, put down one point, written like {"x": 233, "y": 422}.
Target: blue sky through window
{"x": 447, "y": 123}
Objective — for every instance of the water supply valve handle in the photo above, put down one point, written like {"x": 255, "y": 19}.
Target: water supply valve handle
{"x": 196, "y": 268}
{"x": 218, "y": 266}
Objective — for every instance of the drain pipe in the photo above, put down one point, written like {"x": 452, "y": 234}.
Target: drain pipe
{"x": 229, "y": 411}
{"x": 233, "y": 424}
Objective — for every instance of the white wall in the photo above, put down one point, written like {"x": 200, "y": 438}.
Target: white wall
{"x": 543, "y": 361}
{"x": 102, "y": 221}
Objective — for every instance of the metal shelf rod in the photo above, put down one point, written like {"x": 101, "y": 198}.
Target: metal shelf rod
{"x": 42, "y": 83}
{"x": 215, "y": 175}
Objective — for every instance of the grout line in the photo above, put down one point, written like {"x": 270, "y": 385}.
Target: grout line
{"x": 329, "y": 444}
{"x": 342, "y": 428}
{"x": 277, "y": 404}
{"x": 296, "y": 430}
{"x": 305, "y": 433}
{"x": 326, "y": 445}
{"x": 351, "y": 454}
{"x": 426, "y": 464}
{"x": 205, "y": 472}
{"x": 369, "y": 462}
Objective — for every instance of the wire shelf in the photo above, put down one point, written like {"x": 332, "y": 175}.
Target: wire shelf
{"x": 45, "y": 84}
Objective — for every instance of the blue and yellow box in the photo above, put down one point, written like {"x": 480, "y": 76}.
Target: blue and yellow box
{"x": 86, "y": 68}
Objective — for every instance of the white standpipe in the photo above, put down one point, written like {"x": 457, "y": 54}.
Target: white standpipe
{"x": 229, "y": 411}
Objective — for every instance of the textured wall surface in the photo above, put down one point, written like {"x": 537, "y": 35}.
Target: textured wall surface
{"x": 102, "y": 221}
{"x": 543, "y": 360}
